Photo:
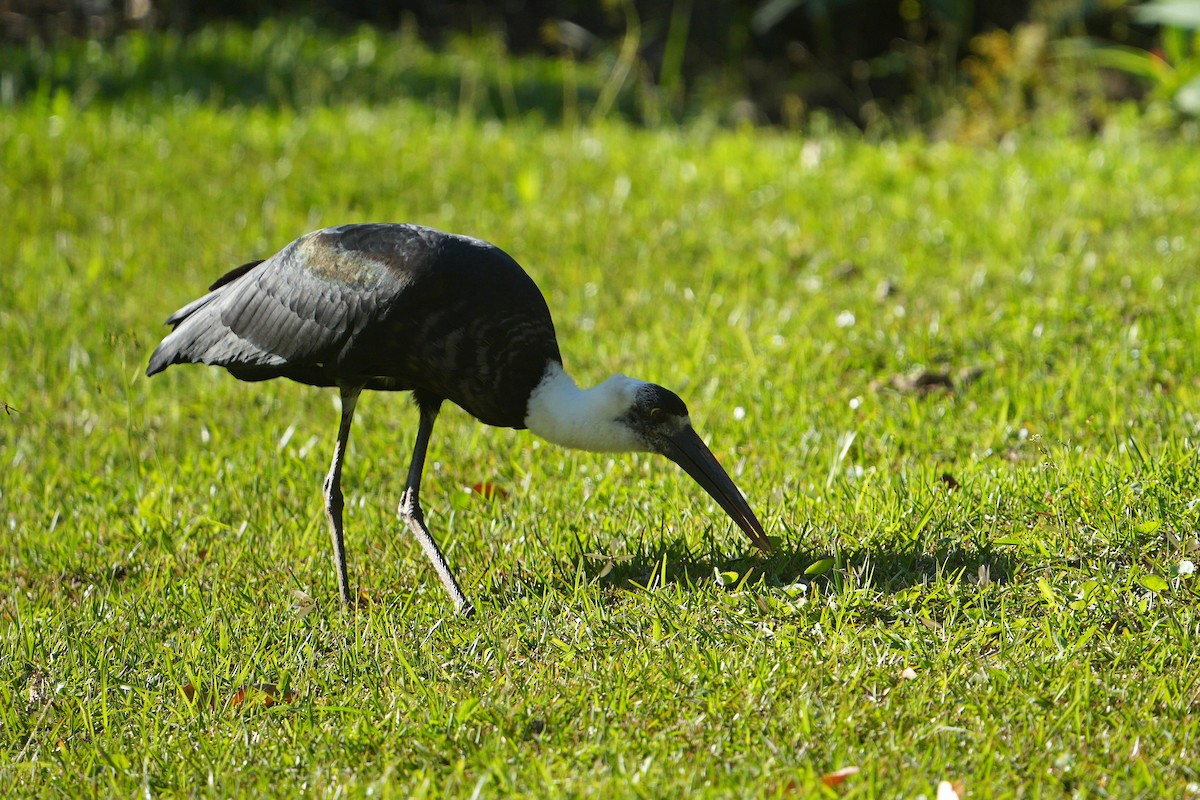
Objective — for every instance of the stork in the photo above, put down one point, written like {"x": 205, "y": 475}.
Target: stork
{"x": 395, "y": 307}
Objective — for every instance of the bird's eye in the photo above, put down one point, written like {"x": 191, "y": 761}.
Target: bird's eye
{"x": 658, "y": 415}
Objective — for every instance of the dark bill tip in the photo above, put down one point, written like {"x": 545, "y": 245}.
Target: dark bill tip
{"x": 687, "y": 450}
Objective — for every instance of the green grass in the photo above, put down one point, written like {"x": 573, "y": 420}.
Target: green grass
{"x": 156, "y": 533}
{"x": 297, "y": 65}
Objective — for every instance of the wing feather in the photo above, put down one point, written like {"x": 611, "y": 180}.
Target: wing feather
{"x": 382, "y": 306}
{"x": 299, "y": 308}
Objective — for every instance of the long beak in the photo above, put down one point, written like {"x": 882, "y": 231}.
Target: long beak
{"x": 687, "y": 450}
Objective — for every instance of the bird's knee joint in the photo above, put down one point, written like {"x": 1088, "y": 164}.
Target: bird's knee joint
{"x": 409, "y": 508}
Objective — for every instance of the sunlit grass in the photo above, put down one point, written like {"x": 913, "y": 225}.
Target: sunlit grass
{"x": 1016, "y": 541}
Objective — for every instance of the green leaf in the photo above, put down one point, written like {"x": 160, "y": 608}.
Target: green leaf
{"x": 1086, "y": 592}
{"x": 819, "y": 567}
{"x": 726, "y": 578}
{"x": 1149, "y": 526}
{"x": 1153, "y": 582}
{"x": 1048, "y": 593}
{"x": 1175, "y": 44}
{"x": 1131, "y": 60}
{"x": 745, "y": 577}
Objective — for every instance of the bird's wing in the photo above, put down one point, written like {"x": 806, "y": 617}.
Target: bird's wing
{"x": 233, "y": 275}
{"x": 302, "y": 307}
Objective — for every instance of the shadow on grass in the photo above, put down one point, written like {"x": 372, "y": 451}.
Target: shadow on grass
{"x": 887, "y": 569}
{"x": 674, "y": 563}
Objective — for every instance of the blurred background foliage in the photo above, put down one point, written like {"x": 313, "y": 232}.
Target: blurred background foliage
{"x": 956, "y": 68}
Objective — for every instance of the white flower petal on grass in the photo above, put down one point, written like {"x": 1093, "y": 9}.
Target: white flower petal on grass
{"x": 1184, "y": 568}
{"x": 946, "y": 791}
{"x": 845, "y": 319}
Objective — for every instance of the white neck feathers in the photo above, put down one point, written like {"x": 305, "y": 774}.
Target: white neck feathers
{"x": 583, "y": 419}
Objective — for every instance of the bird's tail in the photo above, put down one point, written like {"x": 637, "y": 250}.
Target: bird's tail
{"x": 179, "y": 343}
{"x": 185, "y": 345}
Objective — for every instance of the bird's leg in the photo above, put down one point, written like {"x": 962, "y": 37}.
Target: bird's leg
{"x": 333, "y": 491}
{"x": 410, "y": 509}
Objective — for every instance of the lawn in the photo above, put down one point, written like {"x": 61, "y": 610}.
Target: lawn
{"x": 958, "y": 383}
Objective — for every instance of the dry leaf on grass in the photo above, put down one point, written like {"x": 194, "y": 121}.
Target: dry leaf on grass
{"x": 263, "y": 694}
{"x": 838, "y": 776}
{"x": 259, "y": 694}
{"x": 195, "y": 696}
{"x": 303, "y": 603}
{"x": 489, "y": 490}
{"x": 925, "y": 381}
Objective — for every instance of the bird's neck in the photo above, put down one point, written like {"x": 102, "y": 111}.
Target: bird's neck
{"x": 583, "y": 419}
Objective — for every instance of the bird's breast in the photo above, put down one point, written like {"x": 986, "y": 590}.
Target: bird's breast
{"x": 488, "y": 364}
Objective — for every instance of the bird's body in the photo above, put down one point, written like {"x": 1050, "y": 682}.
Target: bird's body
{"x": 407, "y": 308}
{"x": 392, "y": 307}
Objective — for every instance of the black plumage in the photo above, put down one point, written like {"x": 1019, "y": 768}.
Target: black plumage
{"x": 407, "y": 308}
{"x": 389, "y": 307}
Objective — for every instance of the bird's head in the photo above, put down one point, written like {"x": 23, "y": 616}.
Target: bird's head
{"x": 623, "y": 414}
{"x": 659, "y": 420}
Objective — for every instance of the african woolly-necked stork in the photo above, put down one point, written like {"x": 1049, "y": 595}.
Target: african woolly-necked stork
{"x": 408, "y": 308}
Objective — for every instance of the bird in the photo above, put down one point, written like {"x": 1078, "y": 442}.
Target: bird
{"x": 400, "y": 307}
